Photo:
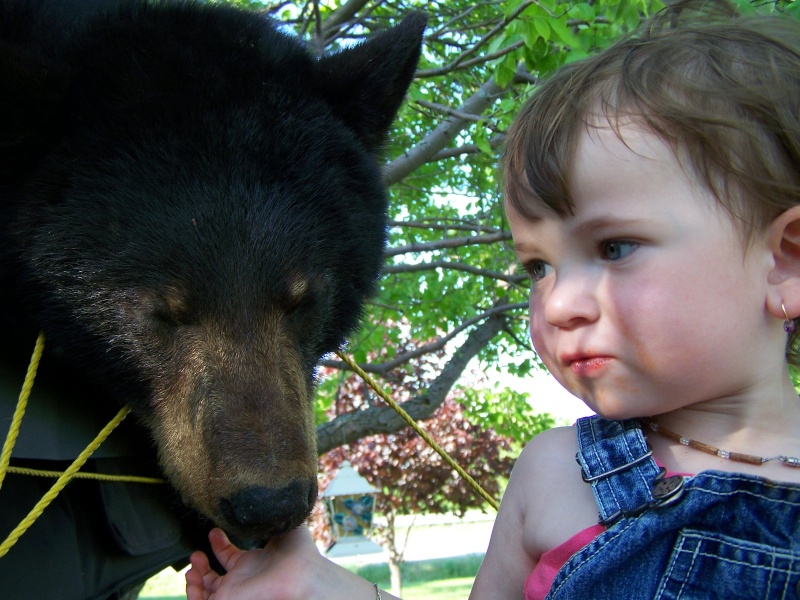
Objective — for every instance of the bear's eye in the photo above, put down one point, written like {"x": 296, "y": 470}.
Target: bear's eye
{"x": 164, "y": 317}
{"x": 171, "y": 308}
{"x": 297, "y": 304}
{"x": 297, "y": 292}
{"x": 302, "y": 292}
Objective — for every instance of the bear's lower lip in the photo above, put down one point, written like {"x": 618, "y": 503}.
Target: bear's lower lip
{"x": 260, "y": 531}
{"x": 258, "y": 536}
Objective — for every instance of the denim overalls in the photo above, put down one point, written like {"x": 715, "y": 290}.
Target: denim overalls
{"x": 714, "y": 535}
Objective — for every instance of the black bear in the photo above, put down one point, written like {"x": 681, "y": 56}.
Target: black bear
{"x": 192, "y": 211}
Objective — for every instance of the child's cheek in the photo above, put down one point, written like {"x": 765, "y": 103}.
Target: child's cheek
{"x": 540, "y": 331}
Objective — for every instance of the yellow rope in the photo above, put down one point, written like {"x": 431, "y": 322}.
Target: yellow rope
{"x": 63, "y": 478}
{"x": 22, "y": 404}
{"x": 62, "y": 481}
{"x": 408, "y": 419}
{"x": 93, "y": 476}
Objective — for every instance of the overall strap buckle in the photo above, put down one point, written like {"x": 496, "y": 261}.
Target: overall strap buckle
{"x": 666, "y": 491}
{"x": 587, "y": 479}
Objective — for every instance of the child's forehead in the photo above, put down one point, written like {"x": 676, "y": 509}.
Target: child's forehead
{"x": 601, "y": 145}
{"x": 541, "y": 173}
{"x": 621, "y": 134}
{"x": 608, "y": 150}
{"x": 612, "y": 160}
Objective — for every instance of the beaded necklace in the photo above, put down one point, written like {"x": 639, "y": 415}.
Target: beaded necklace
{"x": 789, "y": 461}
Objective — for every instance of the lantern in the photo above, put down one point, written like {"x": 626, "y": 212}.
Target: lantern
{"x": 350, "y": 501}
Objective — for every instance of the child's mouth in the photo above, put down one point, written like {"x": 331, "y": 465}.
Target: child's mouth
{"x": 588, "y": 366}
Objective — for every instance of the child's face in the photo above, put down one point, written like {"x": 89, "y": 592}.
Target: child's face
{"x": 644, "y": 300}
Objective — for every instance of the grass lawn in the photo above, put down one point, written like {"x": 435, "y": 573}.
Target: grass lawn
{"x": 444, "y": 589}
{"x": 435, "y": 579}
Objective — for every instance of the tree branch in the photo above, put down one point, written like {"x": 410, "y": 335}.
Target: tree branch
{"x": 494, "y": 142}
{"x": 450, "y": 243}
{"x": 441, "y": 136}
{"x": 453, "y": 266}
{"x": 355, "y": 425}
{"x": 342, "y": 15}
{"x": 480, "y": 43}
{"x": 441, "y": 108}
{"x": 438, "y": 72}
{"x": 445, "y": 225}
{"x": 497, "y": 309}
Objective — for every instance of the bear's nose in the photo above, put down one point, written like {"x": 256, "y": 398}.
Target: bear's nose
{"x": 273, "y": 510}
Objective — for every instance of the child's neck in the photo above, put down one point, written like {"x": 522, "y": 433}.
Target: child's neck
{"x": 770, "y": 432}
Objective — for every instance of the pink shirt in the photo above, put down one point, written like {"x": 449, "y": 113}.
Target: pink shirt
{"x": 541, "y": 578}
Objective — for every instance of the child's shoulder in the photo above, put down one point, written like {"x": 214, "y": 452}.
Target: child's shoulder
{"x": 549, "y": 445}
{"x": 530, "y": 521}
{"x": 550, "y": 456}
{"x": 547, "y": 485}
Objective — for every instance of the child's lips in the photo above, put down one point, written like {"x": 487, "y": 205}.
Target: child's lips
{"x": 586, "y": 365}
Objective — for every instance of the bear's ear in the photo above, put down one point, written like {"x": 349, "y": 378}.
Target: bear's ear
{"x": 31, "y": 93}
{"x": 366, "y": 84}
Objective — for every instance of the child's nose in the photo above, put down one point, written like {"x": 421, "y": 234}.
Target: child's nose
{"x": 572, "y": 301}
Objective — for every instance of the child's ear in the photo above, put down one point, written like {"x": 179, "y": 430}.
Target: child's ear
{"x": 783, "y": 237}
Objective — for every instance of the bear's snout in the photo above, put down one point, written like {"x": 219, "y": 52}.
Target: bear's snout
{"x": 235, "y": 431}
{"x": 270, "y": 511}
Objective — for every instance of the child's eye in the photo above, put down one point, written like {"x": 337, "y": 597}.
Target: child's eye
{"x": 538, "y": 269}
{"x": 617, "y": 249}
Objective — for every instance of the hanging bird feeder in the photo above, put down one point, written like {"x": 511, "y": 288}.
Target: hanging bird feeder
{"x": 350, "y": 503}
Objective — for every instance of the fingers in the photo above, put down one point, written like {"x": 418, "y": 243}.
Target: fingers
{"x": 289, "y": 567}
{"x": 196, "y": 577}
{"x": 227, "y": 554}
{"x": 200, "y": 563}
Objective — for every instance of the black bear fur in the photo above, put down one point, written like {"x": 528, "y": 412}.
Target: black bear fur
{"x": 192, "y": 211}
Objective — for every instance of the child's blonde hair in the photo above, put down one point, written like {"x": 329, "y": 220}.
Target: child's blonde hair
{"x": 722, "y": 88}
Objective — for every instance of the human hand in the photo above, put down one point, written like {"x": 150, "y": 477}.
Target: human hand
{"x": 276, "y": 572}
{"x": 288, "y": 568}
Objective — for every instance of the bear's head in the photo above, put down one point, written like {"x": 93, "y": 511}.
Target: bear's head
{"x": 194, "y": 214}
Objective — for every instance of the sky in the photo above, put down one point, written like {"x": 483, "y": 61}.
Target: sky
{"x": 546, "y": 395}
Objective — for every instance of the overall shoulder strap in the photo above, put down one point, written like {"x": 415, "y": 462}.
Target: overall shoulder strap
{"x": 618, "y": 463}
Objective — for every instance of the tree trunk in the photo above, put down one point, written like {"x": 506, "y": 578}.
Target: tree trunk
{"x": 396, "y": 578}
{"x": 395, "y": 555}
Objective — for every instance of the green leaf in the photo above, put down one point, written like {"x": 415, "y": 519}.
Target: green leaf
{"x": 542, "y": 27}
{"x": 505, "y": 70}
{"x": 564, "y": 33}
